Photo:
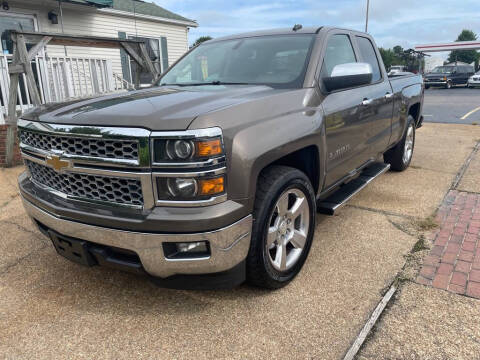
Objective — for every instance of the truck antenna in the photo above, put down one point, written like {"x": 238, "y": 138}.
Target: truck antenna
{"x": 297, "y": 27}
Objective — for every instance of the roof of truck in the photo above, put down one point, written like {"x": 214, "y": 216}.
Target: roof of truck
{"x": 281, "y": 31}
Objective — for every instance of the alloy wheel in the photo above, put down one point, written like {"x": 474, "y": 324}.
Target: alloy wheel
{"x": 288, "y": 229}
{"x": 408, "y": 150}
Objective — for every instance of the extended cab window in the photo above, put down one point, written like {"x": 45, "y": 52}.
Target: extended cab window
{"x": 368, "y": 55}
{"x": 339, "y": 51}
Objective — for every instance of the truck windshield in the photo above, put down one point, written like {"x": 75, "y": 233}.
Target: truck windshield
{"x": 277, "y": 61}
{"x": 443, "y": 69}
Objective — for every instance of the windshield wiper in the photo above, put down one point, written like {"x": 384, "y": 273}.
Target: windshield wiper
{"x": 216, "y": 82}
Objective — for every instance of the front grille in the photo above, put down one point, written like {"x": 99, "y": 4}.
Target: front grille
{"x": 102, "y": 148}
{"x": 90, "y": 187}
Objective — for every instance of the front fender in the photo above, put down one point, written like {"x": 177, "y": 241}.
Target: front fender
{"x": 258, "y": 146}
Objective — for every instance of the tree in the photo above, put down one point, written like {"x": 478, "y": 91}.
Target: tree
{"x": 400, "y": 56}
{"x": 200, "y": 40}
{"x": 398, "y": 50}
{"x": 466, "y": 56}
{"x": 389, "y": 58}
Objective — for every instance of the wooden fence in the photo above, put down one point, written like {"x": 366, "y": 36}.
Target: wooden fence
{"x": 59, "y": 79}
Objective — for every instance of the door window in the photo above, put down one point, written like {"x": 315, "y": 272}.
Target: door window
{"x": 339, "y": 51}
{"x": 154, "y": 52}
{"x": 368, "y": 54}
{"x": 12, "y": 22}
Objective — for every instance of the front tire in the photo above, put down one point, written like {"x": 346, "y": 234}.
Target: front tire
{"x": 400, "y": 156}
{"x": 283, "y": 227}
{"x": 448, "y": 85}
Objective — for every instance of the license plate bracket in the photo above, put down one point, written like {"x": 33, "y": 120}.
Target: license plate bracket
{"x": 73, "y": 249}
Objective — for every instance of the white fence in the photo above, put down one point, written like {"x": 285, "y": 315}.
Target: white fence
{"x": 59, "y": 79}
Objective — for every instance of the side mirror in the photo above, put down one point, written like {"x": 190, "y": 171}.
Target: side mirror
{"x": 348, "y": 75}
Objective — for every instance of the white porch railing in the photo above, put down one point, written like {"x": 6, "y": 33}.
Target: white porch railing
{"x": 59, "y": 79}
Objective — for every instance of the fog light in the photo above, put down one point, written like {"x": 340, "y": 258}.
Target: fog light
{"x": 186, "y": 250}
{"x": 199, "y": 246}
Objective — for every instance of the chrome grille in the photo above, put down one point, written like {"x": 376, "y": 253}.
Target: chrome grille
{"x": 89, "y": 187}
{"x": 91, "y": 147}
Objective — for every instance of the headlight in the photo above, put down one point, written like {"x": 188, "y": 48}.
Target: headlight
{"x": 189, "y": 146}
{"x": 188, "y": 167}
{"x": 179, "y": 149}
{"x": 190, "y": 189}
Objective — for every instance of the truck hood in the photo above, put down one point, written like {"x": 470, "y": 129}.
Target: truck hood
{"x": 158, "y": 108}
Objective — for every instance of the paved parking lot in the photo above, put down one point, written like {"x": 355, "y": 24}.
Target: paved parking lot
{"x": 51, "y": 308}
{"x": 452, "y": 105}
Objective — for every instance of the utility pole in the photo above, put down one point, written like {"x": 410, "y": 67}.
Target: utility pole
{"x": 366, "y": 19}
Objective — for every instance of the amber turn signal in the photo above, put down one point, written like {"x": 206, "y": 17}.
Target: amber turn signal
{"x": 209, "y": 148}
{"x": 211, "y": 186}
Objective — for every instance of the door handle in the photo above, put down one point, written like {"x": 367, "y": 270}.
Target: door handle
{"x": 388, "y": 95}
{"x": 367, "y": 102}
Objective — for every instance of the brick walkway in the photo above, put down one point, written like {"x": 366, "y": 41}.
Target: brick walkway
{"x": 454, "y": 261}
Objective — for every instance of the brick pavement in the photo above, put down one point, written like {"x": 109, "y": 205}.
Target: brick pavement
{"x": 453, "y": 263}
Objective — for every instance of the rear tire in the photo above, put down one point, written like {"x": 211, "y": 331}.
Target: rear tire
{"x": 283, "y": 227}
{"x": 427, "y": 86}
{"x": 400, "y": 156}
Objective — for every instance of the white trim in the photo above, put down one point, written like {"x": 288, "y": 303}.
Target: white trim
{"x": 448, "y": 46}
{"x": 147, "y": 17}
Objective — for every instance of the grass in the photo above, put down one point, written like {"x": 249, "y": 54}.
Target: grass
{"x": 426, "y": 224}
{"x": 420, "y": 245}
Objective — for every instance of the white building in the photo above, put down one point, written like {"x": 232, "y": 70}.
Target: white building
{"x": 432, "y": 62}
{"x": 166, "y": 32}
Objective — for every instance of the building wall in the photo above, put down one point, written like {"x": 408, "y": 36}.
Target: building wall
{"x": 84, "y": 20}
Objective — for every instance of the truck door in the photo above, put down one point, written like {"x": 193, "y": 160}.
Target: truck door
{"x": 356, "y": 121}
{"x": 379, "y": 93}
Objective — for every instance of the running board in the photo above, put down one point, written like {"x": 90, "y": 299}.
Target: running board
{"x": 346, "y": 192}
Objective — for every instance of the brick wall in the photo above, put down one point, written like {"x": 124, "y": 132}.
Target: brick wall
{"x": 3, "y": 151}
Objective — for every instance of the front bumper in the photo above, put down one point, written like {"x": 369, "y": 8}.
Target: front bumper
{"x": 473, "y": 83}
{"x": 228, "y": 246}
{"x": 435, "y": 83}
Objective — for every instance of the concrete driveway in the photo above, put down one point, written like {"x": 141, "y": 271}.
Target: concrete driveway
{"x": 51, "y": 308}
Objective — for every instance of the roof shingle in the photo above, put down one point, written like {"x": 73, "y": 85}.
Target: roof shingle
{"x": 146, "y": 8}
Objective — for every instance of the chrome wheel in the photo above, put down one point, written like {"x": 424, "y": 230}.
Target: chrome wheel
{"x": 288, "y": 229}
{"x": 408, "y": 150}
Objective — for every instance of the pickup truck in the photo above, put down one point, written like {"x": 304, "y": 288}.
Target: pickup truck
{"x": 214, "y": 175}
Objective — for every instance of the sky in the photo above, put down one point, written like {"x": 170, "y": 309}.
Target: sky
{"x": 400, "y": 22}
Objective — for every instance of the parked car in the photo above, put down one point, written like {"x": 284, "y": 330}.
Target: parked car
{"x": 474, "y": 80}
{"x": 214, "y": 176}
{"x": 396, "y": 69}
{"x": 448, "y": 76}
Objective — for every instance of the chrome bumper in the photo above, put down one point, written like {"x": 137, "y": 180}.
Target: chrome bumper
{"x": 435, "y": 82}
{"x": 229, "y": 246}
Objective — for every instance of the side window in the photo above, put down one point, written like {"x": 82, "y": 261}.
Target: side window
{"x": 368, "y": 54}
{"x": 339, "y": 51}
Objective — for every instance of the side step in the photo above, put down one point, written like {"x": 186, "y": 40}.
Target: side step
{"x": 346, "y": 192}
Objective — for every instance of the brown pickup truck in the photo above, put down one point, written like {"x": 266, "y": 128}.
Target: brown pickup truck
{"x": 214, "y": 175}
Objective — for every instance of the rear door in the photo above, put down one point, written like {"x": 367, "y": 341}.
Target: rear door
{"x": 379, "y": 92}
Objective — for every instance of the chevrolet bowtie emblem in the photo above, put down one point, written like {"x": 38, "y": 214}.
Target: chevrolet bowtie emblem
{"x": 56, "y": 163}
